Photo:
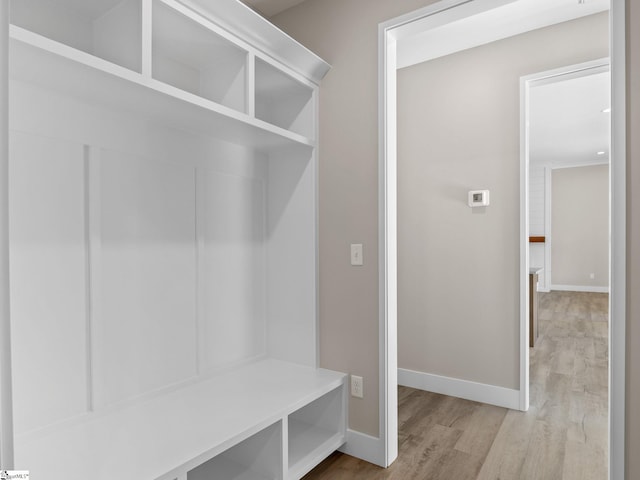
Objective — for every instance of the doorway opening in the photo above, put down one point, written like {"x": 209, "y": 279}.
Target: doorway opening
{"x": 567, "y": 139}
{"x": 424, "y": 21}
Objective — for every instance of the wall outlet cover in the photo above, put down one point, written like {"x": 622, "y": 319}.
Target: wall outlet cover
{"x": 357, "y": 386}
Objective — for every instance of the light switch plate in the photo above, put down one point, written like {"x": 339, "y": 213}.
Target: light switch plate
{"x": 356, "y": 255}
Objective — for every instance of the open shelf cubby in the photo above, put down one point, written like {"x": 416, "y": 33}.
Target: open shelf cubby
{"x": 108, "y": 29}
{"x": 190, "y": 56}
{"x": 256, "y": 458}
{"x": 314, "y": 430}
{"x": 283, "y": 101}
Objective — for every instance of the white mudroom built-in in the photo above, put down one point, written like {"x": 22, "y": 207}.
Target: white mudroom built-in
{"x": 163, "y": 244}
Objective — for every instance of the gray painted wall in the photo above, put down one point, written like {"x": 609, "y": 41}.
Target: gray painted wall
{"x": 580, "y": 226}
{"x": 633, "y": 243}
{"x": 459, "y": 268}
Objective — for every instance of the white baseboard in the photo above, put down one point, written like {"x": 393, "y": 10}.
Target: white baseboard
{"x": 580, "y": 288}
{"x": 478, "y": 392}
{"x": 364, "y": 447}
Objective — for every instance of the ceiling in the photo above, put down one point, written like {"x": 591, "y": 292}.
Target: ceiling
{"x": 567, "y": 125}
{"x": 269, "y": 8}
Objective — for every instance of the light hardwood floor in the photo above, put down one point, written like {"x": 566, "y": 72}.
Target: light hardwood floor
{"x": 563, "y": 436}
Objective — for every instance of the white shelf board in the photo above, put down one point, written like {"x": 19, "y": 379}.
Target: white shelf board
{"x": 308, "y": 444}
{"x": 164, "y": 437}
{"x": 44, "y": 62}
{"x": 229, "y": 470}
{"x": 245, "y": 23}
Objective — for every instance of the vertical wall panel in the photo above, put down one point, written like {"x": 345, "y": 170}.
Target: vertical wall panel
{"x": 234, "y": 323}
{"x": 292, "y": 259}
{"x": 48, "y": 289}
{"x": 143, "y": 275}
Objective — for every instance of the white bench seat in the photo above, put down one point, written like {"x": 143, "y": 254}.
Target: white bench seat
{"x": 165, "y": 437}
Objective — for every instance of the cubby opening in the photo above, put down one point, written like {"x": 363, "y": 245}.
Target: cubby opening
{"x": 189, "y": 56}
{"x": 256, "y": 458}
{"x": 314, "y": 427}
{"x": 109, "y": 29}
{"x": 283, "y": 101}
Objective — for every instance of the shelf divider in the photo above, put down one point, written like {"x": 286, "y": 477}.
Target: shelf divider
{"x": 147, "y": 37}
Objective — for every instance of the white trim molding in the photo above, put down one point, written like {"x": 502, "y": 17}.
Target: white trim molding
{"x": 579, "y": 288}
{"x": 387, "y": 253}
{"x": 618, "y": 244}
{"x": 454, "y": 387}
{"x": 6, "y": 405}
{"x": 364, "y": 447}
{"x": 523, "y": 242}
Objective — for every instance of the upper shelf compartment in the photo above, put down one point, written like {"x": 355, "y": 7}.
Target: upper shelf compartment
{"x": 237, "y": 18}
{"x": 108, "y": 29}
{"x": 283, "y": 101}
{"x": 174, "y": 62}
{"x": 39, "y": 61}
{"x": 189, "y": 55}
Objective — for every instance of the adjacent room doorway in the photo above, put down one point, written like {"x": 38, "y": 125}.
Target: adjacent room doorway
{"x": 425, "y": 20}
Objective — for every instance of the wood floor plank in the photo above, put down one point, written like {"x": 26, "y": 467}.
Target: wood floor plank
{"x": 454, "y": 464}
{"x": 563, "y": 360}
{"x": 584, "y": 462}
{"x": 508, "y": 452}
{"x": 556, "y": 401}
{"x": 429, "y": 456}
{"x": 545, "y": 456}
{"x": 479, "y": 434}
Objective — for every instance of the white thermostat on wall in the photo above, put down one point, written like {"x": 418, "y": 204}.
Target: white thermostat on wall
{"x": 479, "y": 198}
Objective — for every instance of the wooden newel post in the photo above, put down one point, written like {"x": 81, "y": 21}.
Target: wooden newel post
{"x": 6, "y": 410}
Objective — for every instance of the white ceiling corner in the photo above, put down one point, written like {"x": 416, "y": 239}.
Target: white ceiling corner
{"x": 567, "y": 125}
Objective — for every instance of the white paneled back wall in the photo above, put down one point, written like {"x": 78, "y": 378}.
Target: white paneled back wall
{"x": 143, "y": 274}
{"x": 48, "y": 280}
{"x": 291, "y": 229}
{"x": 233, "y": 285}
{"x": 163, "y": 244}
{"x": 139, "y": 257}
